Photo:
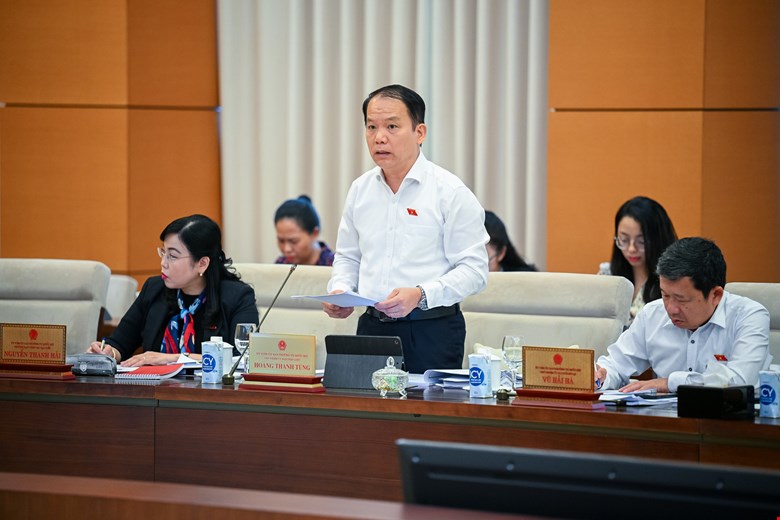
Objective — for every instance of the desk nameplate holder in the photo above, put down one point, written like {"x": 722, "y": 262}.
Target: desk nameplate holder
{"x": 33, "y": 351}
{"x": 558, "y": 376}
{"x": 282, "y": 362}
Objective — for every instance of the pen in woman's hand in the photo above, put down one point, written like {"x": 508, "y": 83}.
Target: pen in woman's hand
{"x": 102, "y": 345}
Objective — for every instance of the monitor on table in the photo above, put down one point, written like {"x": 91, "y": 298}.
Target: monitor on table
{"x": 564, "y": 484}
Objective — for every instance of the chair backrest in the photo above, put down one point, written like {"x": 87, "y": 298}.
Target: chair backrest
{"x": 295, "y": 316}
{"x": 55, "y": 292}
{"x": 549, "y": 309}
{"x": 121, "y": 294}
{"x": 768, "y": 295}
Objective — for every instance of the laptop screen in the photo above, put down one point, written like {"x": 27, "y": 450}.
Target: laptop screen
{"x": 352, "y": 360}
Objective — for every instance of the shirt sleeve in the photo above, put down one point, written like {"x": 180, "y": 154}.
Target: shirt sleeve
{"x": 346, "y": 262}
{"x": 128, "y": 334}
{"x": 627, "y": 356}
{"x": 244, "y": 311}
{"x": 465, "y": 238}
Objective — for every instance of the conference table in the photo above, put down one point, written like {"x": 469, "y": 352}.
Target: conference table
{"x": 339, "y": 443}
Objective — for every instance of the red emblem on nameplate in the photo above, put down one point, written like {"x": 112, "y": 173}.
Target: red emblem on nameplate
{"x": 282, "y": 344}
{"x": 557, "y": 359}
{"x": 412, "y": 211}
{"x": 33, "y": 334}
{"x": 721, "y": 357}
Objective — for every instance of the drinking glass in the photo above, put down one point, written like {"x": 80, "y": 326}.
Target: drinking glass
{"x": 512, "y": 347}
{"x": 243, "y": 330}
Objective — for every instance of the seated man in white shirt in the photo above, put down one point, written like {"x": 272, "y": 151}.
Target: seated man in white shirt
{"x": 694, "y": 324}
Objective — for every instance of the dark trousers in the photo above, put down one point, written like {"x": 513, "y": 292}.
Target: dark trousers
{"x": 436, "y": 343}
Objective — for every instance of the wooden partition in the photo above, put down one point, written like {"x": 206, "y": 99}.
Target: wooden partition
{"x": 109, "y": 129}
{"x": 675, "y": 100}
{"x": 25, "y": 496}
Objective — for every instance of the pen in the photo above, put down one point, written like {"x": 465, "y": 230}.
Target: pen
{"x": 598, "y": 384}
{"x": 102, "y": 345}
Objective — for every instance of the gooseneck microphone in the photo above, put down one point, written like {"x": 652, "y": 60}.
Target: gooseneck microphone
{"x": 228, "y": 379}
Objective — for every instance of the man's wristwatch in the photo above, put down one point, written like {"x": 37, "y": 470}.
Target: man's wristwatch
{"x": 423, "y": 303}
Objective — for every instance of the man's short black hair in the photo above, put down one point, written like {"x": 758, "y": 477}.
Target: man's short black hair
{"x": 414, "y": 103}
{"x": 697, "y": 258}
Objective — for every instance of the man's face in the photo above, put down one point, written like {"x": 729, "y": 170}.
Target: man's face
{"x": 686, "y": 306}
{"x": 393, "y": 142}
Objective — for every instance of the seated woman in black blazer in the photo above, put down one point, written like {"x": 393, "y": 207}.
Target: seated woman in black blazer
{"x": 197, "y": 295}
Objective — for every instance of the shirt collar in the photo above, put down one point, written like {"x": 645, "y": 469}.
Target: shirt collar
{"x": 415, "y": 173}
{"x": 719, "y": 316}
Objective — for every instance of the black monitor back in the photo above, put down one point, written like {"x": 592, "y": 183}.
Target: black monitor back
{"x": 564, "y": 484}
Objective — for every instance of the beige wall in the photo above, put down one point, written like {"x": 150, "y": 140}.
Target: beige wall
{"x": 675, "y": 100}
{"x": 109, "y": 129}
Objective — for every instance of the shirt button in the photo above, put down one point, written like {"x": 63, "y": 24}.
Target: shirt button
{"x": 693, "y": 341}
{"x": 690, "y": 370}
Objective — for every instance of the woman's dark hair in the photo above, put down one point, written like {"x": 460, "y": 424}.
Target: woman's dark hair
{"x": 411, "y": 99}
{"x": 512, "y": 260}
{"x": 658, "y": 233}
{"x": 202, "y": 237}
{"x": 301, "y": 211}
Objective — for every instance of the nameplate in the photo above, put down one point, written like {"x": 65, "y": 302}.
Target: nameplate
{"x": 32, "y": 343}
{"x": 290, "y": 354}
{"x": 558, "y": 369}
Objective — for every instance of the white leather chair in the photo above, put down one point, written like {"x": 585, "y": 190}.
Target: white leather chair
{"x": 56, "y": 292}
{"x": 121, "y": 295}
{"x": 549, "y": 310}
{"x": 768, "y": 295}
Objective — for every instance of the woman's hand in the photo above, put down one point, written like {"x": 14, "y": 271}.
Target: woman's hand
{"x": 149, "y": 358}
{"x": 98, "y": 347}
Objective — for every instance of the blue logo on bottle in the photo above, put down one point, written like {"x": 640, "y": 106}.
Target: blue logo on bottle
{"x": 476, "y": 376}
{"x": 209, "y": 363}
{"x": 768, "y": 394}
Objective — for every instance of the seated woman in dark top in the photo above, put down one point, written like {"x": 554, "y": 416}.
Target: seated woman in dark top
{"x": 502, "y": 255}
{"x": 297, "y": 234}
{"x": 197, "y": 295}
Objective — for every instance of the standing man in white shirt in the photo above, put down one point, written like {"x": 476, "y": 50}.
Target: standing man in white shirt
{"x": 412, "y": 236}
{"x": 695, "y": 326}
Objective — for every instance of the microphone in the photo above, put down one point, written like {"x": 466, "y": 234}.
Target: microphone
{"x": 228, "y": 379}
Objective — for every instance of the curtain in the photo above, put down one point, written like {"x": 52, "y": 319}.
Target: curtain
{"x": 294, "y": 74}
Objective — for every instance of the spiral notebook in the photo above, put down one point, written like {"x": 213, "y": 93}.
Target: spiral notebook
{"x": 153, "y": 372}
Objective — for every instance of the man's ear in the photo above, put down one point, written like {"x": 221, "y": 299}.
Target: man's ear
{"x": 422, "y": 133}
{"x": 717, "y": 295}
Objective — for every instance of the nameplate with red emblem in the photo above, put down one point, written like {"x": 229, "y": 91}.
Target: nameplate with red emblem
{"x": 290, "y": 354}
{"x": 32, "y": 343}
{"x": 558, "y": 369}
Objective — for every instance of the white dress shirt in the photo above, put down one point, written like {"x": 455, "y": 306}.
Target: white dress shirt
{"x": 430, "y": 233}
{"x": 737, "y": 331}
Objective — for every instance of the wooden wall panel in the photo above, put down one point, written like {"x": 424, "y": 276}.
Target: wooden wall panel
{"x": 598, "y": 160}
{"x": 626, "y": 53}
{"x": 63, "y": 52}
{"x": 742, "y": 59}
{"x": 741, "y": 190}
{"x": 174, "y": 165}
{"x": 173, "y": 52}
{"x": 63, "y": 184}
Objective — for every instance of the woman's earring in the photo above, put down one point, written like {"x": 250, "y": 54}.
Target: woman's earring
{"x": 200, "y": 274}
